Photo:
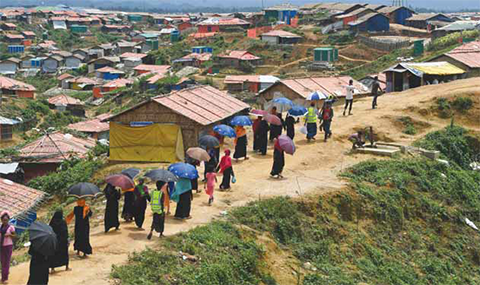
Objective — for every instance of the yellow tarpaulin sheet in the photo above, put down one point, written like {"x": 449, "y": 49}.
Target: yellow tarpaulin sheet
{"x": 154, "y": 143}
{"x": 438, "y": 68}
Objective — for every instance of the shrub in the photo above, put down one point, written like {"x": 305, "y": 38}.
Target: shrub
{"x": 462, "y": 104}
{"x": 444, "y": 107}
{"x": 339, "y": 38}
{"x": 69, "y": 173}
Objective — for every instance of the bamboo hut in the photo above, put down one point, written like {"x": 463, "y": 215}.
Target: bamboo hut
{"x": 162, "y": 128}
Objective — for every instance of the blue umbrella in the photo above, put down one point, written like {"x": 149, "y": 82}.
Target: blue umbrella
{"x": 298, "y": 111}
{"x": 241, "y": 121}
{"x": 316, "y": 96}
{"x": 282, "y": 104}
{"x": 183, "y": 170}
{"x": 225, "y": 131}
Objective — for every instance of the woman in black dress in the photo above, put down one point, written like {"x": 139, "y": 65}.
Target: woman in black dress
{"x": 141, "y": 198}
{"x": 278, "y": 161}
{"x": 183, "y": 196}
{"x": 38, "y": 268}
{"x": 275, "y": 130}
{"x": 59, "y": 226}
{"x": 111, "y": 210}
{"x": 240, "y": 143}
{"x": 82, "y": 214}
{"x": 128, "y": 206}
{"x": 290, "y": 126}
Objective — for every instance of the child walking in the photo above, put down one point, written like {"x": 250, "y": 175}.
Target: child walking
{"x": 210, "y": 185}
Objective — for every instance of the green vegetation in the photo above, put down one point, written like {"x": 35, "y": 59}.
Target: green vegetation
{"x": 409, "y": 126}
{"x": 228, "y": 256}
{"x": 69, "y": 173}
{"x": 451, "y": 41}
{"x": 454, "y": 143}
{"x": 167, "y": 55}
{"x": 340, "y": 38}
{"x": 446, "y": 108}
{"x": 400, "y": 222}
{"x": 66, "y": 40}
{"x": 377, "y": 65}
{"x": 41, "y": 82}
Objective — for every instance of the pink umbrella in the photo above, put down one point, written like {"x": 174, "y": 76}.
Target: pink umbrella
{"x": 198, "y": 153}
{"x": 258, "y": 113}
{"x": 286, "y": 144}
{"x": 120, "y": 180}
{"x": 273, "y": 119}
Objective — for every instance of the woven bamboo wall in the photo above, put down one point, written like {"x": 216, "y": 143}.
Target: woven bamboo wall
{"x": 154, "y": 112}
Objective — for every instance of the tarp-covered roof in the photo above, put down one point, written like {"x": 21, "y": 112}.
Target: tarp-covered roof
{"x": 430, "y": 68}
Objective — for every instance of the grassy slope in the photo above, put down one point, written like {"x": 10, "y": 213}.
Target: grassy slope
{"x": 400, "y": 222}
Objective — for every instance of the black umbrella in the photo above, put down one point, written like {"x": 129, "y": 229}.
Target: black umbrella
{"x": 161, "y": 175}
{"x": 131, "y": 172}
{"x": 43, "y": 239}
{"x": 84, "y": 190}
{"x": 208, "y": 141}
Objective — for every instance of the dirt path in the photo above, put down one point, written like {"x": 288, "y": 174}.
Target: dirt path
{"x": 313, "y": 169}
{"x": 354, "y": 59}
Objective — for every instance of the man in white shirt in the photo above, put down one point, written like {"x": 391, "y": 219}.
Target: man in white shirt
{"x": 349, "y": 98}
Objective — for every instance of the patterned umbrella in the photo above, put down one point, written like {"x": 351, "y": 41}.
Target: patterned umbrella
{"x": 225, "y": 131}
{"x": 183, "y": 170}
{"x": 298, "y": 111}
{"x": 316, "y": 96}
{"x": 241, "y": 121}
{"x": 120, "y": 180}
{"x": 282, "y": 104}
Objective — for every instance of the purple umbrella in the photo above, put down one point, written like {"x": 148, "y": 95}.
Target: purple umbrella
{"x": 286, "y": 144}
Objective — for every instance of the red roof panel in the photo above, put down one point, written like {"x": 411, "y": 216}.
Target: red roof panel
{"x": 17, "y": 198}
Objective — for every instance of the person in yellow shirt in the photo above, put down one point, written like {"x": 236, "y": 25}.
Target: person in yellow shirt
{"x": 311, "y": 122}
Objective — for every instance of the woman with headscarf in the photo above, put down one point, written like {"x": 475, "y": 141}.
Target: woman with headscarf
{"x": 111, "y": 210}
{"x": 141, "y": 197}
{"x": 240, "y": 143}
{"x": 128, "y": 205}
{"x": 82, "y": 214}
{"x": 38, "y": 268}
{"x": 226, "y": 168}
{"x": 290, "y": 126}
{"x": 275, "y": 131}
{"x": 157, "y": 204}
{"x": 278, "y": 160}
{"x": 183, "y": 196}
{"x": 59, "y": 226}
{"x": 7, "y": 231}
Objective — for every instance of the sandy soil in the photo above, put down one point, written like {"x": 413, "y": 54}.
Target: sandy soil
{"x": 313, "y": 169}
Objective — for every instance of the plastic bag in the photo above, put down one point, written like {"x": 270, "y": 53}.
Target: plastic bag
{"x": 234, "y": 180}
{"x": 304, "y": 130}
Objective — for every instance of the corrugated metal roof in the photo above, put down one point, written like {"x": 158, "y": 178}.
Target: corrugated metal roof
{"x": 203, "y": 104}
{"x": 471, "y": 59}
{"x": 90, "y": 126}
{"x": 17, "y": 198}
{"x": 109, "y": 69}
{"x": 224, "y": 22}
{"x": 239, "y": 54}
{"x": 153, "y": 68}
{"x": 133, "y": 55}
{"x": 56, "y": 148}
{"x": 424, "y": 17}
{"x": 461, "y": 26}
{"x": 117, "y": 83}
{"x": 280, "y": 33}
{"x": 7, "y": 121}
{"x": 12, "y": 84}
{"x": 7, "y": 168}
{"x": 64, "y": 100}
{"x": 329, "y": 85}
{"x": 232, "y": 79}
{"x": 431, "y": 68}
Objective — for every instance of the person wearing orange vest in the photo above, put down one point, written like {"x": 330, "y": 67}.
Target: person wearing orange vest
{"x": 327, "y": 116}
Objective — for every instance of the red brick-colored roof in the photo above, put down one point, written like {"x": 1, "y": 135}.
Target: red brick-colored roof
{"x": 109, "y": 69}
{"x": 64, "y": 76}
{"x": 328, "y": 85}
{"x": 82, "y": 80}
{"x": 239, "y": 54}
{"x": 10, "y": 25}
{"x": 241, "y": 78}
{"x": 64, "y": 100}
{"x": 12, "y": 84}
{"x": 223, "y": 22}
{"x": 14, "y": 36}
{"x": 90, "y": 126}
{"x": 468, "y": 54}
{"x": 152, "y": 68}
{"x": 28, "y": 33}
{"x": 202, "y": 104}
{"x": 17, "y": 198}
{"x": 56, "y": 148}
{"x": 133, "y": 55}
{"x": 280, "y": 33}
{"x": 117, "y": 83}
{"x": 199, "y": 56}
